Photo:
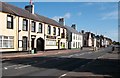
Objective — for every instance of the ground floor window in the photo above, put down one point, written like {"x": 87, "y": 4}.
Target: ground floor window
{"x": 50, "y": 42}
{"x": 73, "y": 44}
{"x": 6, "y": 41}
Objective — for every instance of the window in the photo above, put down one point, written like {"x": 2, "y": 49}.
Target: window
{"x": 6, "y": 41}
{"x": 76, "y": 44}
{"x": 25, "y": 24}
{"x": 0, "y": 41}
{"x": 63, "y": 34}
{"x": 49, "y": 29}
{"x": 40, "y": 28}
{"x": 54, "y": 31}
{"x": 33, "y": 26}
{"x": 74, "y": 37}
{"x": 73, "y": 44}
{"x": 9, "y": 22}
{"x": 58, "y": 31}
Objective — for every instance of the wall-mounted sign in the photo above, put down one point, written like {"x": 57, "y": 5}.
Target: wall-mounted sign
{"x": 51, "y": 42}
{"x": 51, "y": 37}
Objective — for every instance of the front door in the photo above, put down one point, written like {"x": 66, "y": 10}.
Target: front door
{"x": 58, "y": 44}
{"x": 32, "y": 43}
{"x": 24, "y": 43}
{"x": 40, "y": 44}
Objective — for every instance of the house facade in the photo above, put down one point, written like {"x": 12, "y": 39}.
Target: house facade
{"x": 74, "y": 38}
{"x": 23, "y": 30}
{"x": 87, "y": 39}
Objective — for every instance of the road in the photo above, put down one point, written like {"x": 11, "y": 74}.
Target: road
{"x": 81, "y": 64}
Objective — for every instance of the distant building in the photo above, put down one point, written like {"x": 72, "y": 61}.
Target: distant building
{"x": 74, "y": 38}
{"x": 87, "y": 39}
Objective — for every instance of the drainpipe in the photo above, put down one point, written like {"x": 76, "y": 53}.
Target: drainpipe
{"x": 29, "y": 37}
{"x": 18, "y": 33}
{"x": 44, "y": 37}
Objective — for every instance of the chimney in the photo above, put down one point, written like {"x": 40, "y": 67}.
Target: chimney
{"x": 30, "y": 7}
{"x": 74, "y": 26}
{"x": 82, "y": 31}
{"x": 61, "y": 21}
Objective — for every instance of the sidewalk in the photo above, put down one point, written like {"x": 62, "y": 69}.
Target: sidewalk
{"x": 39, "y": 53}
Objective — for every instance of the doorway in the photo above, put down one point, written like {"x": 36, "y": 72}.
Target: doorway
{"x": 58, "y": 44}
{"x": 32, "y": 43}
{"x": 24, "y": 43}
{"x": 40, "y": 44}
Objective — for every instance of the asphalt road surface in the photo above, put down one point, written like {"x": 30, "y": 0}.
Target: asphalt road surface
{"x": 73, "y": 65}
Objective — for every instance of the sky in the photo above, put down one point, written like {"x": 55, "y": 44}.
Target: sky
{"x": 97, "y": 17}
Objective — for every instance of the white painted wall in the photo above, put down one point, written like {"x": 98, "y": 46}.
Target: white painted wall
{"x": 77, "y": 40}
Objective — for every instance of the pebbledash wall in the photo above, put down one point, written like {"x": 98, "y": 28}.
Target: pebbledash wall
{"x": 22, "y": 33}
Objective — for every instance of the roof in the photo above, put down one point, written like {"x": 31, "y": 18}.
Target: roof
{"x": 49, "y": 21}
{"x": 7, "y": 8}
{"x": 72, "y": 30}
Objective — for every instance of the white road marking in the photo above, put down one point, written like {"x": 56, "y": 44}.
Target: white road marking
{"x": 5, "y": 68}
{"x": 11, "y": 66}
{"x": 62, "y": 75}
{"x": 22, "y": 66}
{"x": 82, "y": 66}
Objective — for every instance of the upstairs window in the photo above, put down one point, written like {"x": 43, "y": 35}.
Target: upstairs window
{"x": 63, "y": 34}
{"x": 0, "y": 41}
{"x": 33, "y": 26}
{"x": 54, "y": 31}
{"x": 49, "y": 29}
{"x": 58, "y": 31}
{"x": 25, "y": 25}
{"x": 40, "y": 28}
{"x": 9, "y": 22}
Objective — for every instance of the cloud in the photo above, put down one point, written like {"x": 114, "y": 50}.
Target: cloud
{"x": 110, "y": 15}
{"x": 66, "y": 16}
{"x": 103, "y": 7}
{"x": 79, "y": 14}
{"x": 56, "y": 18}
{"x": 89, "y": 3}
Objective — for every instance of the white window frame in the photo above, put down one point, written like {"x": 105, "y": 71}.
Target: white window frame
{"x": 40, "y": 28}
{"x": 8, "y": 42}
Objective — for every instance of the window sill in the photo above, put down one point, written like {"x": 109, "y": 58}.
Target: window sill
{"x": 39, "y": 32}
{"x": 9, "y": 28}
{"x": 6, "y": 48}
{"x": 33, "y": 31}
{"x": 25, "y": 30}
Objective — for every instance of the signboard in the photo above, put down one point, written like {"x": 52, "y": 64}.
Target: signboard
{"x": 51, "y": 37}
{"x": 51, "y": 42}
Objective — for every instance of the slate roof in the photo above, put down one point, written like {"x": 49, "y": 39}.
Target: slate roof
{"x": 7, "y": 8}
{"x": 72, "y": 30}
{"x": 49, "y": 21}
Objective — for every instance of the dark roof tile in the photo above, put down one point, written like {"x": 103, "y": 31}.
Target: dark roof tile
{"x": 7, "y": 8}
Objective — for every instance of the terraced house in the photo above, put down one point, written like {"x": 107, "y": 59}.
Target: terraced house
{"x": 24, "y": 30}
{"x": 75, "y": 38}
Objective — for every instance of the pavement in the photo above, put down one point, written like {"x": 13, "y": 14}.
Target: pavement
{"x": 39, "y": 53}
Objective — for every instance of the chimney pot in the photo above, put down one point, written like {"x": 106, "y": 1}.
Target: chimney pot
{"x": 61, "y": 21}
{"x": 74, "y": 26}
{"x": 30, "y": 8}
